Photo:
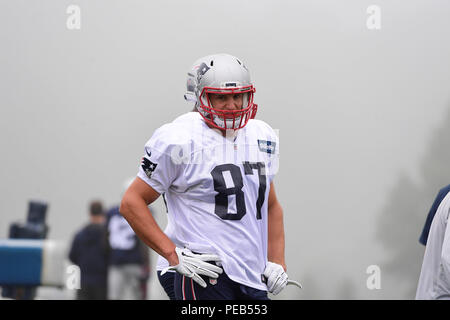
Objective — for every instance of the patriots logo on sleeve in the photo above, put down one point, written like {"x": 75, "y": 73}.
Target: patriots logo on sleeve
{"x": 267, "y": 146}
{"x": 148, "y": 166}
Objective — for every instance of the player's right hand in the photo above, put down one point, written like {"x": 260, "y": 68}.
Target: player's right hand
{"x": 276, "y": 278}
{"x": 193, "y": 265}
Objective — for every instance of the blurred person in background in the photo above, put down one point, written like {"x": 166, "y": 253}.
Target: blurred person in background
{"x": 89, "y": 250}
{"x": 437, "y": 201}
{"x": 129, "y": 259}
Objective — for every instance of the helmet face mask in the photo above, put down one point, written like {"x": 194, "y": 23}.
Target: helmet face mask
{"x": 227, "y": 119}
{"x": 221, "y": 74}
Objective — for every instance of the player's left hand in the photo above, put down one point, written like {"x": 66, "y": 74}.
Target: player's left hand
{"x": 277, "y": 278}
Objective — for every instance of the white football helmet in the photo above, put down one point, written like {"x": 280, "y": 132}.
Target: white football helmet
{"x": 221, "y": 74}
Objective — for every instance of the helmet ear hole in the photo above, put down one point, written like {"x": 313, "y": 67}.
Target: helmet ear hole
{"x": 211, "y": 63}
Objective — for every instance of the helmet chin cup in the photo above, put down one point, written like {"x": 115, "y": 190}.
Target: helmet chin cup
{"x": 227, "y": 124}
{"x": 236, "y": 122}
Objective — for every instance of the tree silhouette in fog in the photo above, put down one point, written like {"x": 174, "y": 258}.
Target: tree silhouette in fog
{"x": 403, "y": 217}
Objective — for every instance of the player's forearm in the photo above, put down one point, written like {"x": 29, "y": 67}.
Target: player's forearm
{"x": 276, "y": 242}
{"x": 134, "y": 209}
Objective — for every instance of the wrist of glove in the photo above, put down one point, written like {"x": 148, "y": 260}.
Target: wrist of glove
{"x": 194, "y": 265}
{"x": 276, "y": 278}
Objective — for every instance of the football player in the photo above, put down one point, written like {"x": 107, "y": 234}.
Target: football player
{"x": 216, "y": 167}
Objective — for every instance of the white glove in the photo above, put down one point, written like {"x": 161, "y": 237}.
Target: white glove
{"x": 276, "y": 278}
{"x": 193, "y": 265}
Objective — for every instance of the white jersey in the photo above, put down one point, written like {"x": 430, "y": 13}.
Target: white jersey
{"x": 434, "y": 281}
{"x": 216, "y": 189}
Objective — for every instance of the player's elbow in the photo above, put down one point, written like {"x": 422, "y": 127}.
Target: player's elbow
{"x": 274, "y": 208}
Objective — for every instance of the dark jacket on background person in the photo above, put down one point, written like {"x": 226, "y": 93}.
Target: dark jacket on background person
{"x": 90, "y": 252}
